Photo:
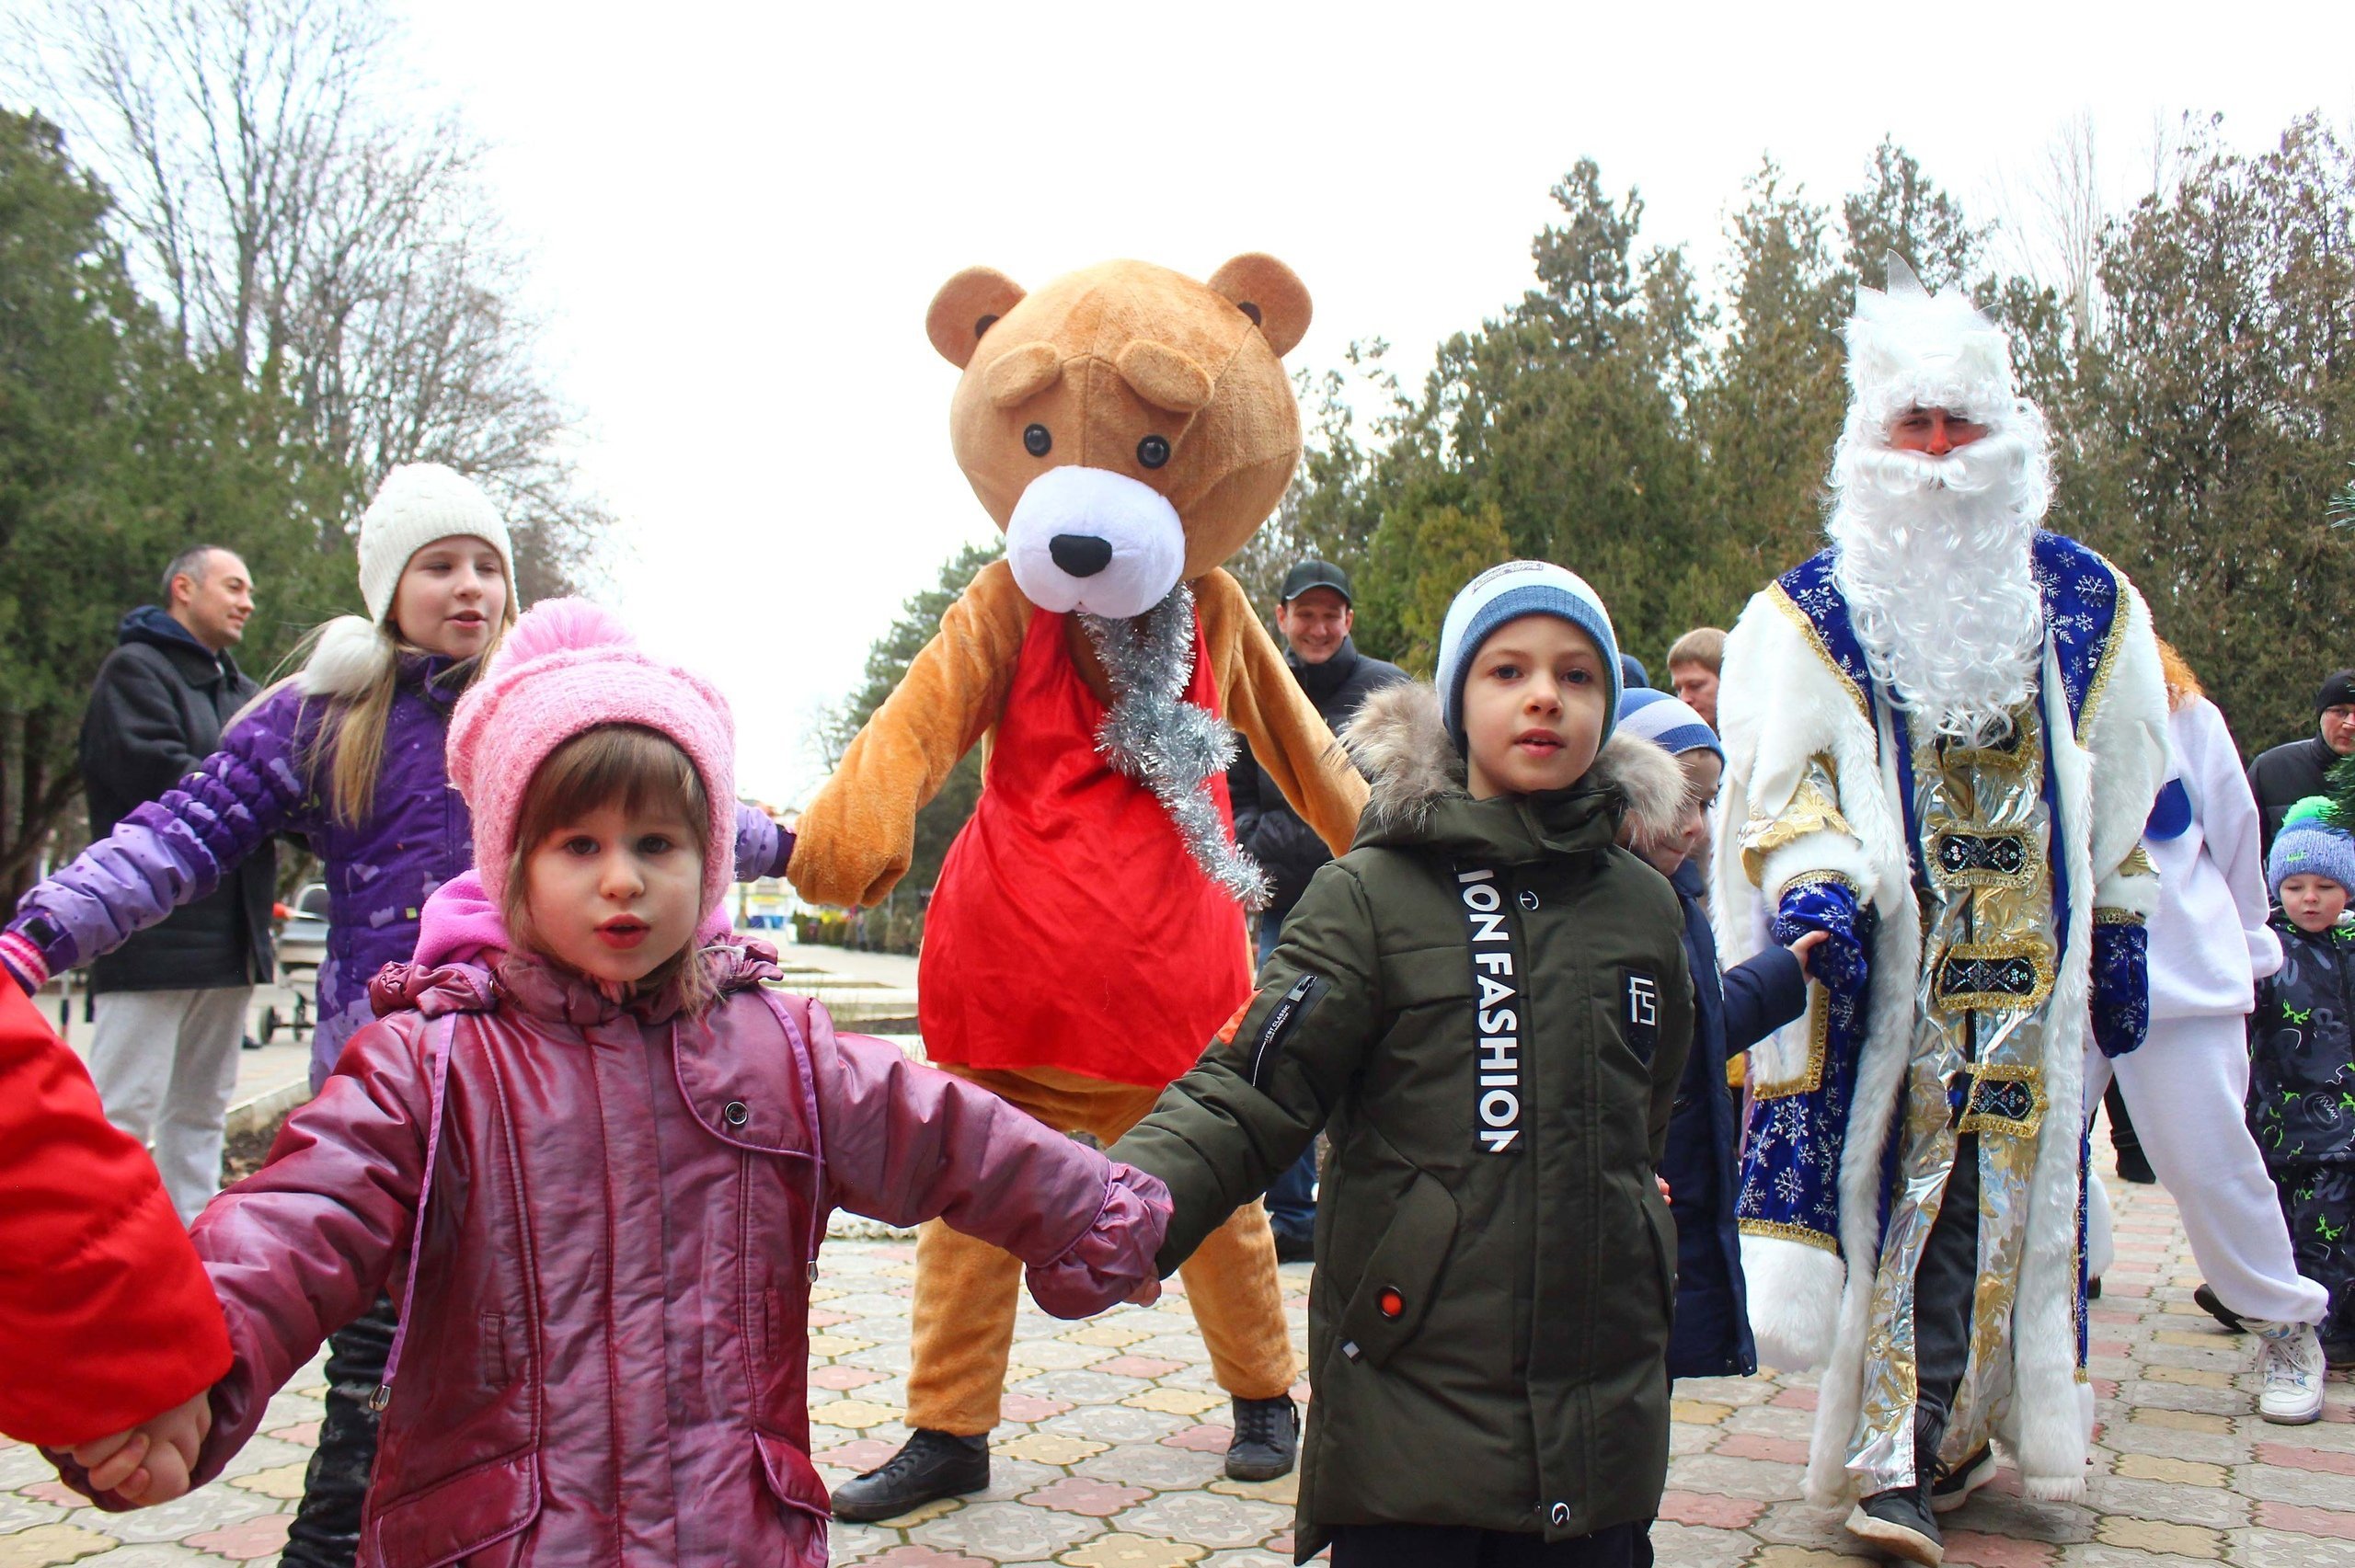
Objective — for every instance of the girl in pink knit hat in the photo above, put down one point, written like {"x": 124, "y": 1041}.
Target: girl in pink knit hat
{"x": 594, "y": 1157}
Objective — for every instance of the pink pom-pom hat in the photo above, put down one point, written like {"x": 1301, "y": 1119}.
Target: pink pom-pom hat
{"x": 569, "y": 666}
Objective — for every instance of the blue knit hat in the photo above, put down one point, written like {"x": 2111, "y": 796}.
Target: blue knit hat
{"x": 2310, "y": 844}
{"x": 1669, "y": 724}
{"x": 1507, "y": 593}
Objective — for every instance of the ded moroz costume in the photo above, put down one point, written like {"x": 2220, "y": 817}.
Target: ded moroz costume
{"x": 1943, "y": 736}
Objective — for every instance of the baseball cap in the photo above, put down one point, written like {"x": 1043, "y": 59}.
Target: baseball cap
{"x": 1313, "y": 573}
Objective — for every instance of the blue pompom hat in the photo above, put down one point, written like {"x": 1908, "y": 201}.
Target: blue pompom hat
{"x": 1507, "y": 593}
{"x": 2310, "y": 844}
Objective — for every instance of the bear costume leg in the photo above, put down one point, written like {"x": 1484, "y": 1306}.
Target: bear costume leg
{"x": 967, "y": 1291}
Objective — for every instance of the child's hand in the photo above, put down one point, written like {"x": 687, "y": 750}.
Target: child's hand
{"x": 150, "y": 1463}
{"x": 1146, "y": 1295}
{"x": 1663, "y": 1183}
{"x": 1806, "y": 946}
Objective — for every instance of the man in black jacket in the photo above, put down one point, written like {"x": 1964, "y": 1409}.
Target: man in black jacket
{"x": 170, "y": 1002}
{"x": 2288, "y": 773}
{"x": 1314, "y": 614}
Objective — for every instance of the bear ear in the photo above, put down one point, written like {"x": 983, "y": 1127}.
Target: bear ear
{"x": 1270, "y": 293}
{"x": 1018, "y": 375}
{"x": 1163, "y": 376}
{"x": 964, "y": 308}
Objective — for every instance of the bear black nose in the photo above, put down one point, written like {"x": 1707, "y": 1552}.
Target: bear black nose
{"x": 1081, "y": 555}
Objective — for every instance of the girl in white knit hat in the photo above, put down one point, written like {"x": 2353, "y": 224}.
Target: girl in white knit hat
{"x": 347, "y": 752}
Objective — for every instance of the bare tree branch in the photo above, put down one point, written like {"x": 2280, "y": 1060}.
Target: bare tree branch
{"x": 301, "y": 224}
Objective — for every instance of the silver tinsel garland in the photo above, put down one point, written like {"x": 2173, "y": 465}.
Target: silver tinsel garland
{"x": 1153, "y": 734}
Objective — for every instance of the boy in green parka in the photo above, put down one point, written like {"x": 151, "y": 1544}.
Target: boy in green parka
{"x": 1485, "y": 1004}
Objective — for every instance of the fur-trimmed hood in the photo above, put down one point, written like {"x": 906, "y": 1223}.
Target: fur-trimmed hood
{"x": 1418, "y": 777}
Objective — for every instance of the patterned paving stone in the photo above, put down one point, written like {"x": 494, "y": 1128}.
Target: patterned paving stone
{"x": 46, "y": 1544}
{"x": 1206, "y": 1517}
{"x": 1109, "y": 1453}
{"x": 1009, "y": 1532}
{"x": 1155, "y": 1466}
{"x": 2283, "y": 1549}
{"x": 1115, "y": 1424}
{"x": 1134, "y": 1551}
{"x": 2336, "y": 1524}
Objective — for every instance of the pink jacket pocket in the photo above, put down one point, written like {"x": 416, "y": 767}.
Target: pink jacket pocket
{"x": 462, "y": 1516}
{"x": 793, "y": 1478}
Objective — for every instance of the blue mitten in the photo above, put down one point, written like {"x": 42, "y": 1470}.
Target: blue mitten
{"x": 2121, "y": 984}
{"x": 1830, "y": 908}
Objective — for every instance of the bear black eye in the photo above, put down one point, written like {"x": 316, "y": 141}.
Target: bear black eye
{"x": 1152, "y": 452}
{"x": 1037, "y": 441}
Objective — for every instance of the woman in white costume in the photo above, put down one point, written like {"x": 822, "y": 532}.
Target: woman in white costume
{"x": 2186, "y": 1086}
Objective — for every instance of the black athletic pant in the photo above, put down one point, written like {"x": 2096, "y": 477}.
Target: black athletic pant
{"x": 1451, "y": 1545}
{"x": 1945, "y": 1283}
{"x": 325, "y": 1531}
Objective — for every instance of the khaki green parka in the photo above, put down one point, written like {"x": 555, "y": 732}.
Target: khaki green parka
{"x": 1485, "y": 1004}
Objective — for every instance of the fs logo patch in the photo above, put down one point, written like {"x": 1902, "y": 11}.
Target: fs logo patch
{"x": 1640, "y": 994}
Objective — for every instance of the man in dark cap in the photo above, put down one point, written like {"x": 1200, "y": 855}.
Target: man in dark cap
{"x": 2288, "y": 773}
{"x": 1315, "y": 613}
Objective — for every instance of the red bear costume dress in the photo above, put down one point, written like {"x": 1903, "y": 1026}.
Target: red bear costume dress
{"x": 1076, "y": 960}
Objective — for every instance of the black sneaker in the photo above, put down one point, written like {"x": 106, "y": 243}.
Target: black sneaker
{"x": 1266, "y": 1439}
{"x": 929, "y": 1466}
{"x": 1952, "y": 1490}
{"x": 2213, "y": 1305}
{"x": 1900, "y": 1522}
{"x": 2134, "y": 1166}
{"x": 1293, "y": 1247}
{"x": 2339, "y": 1354}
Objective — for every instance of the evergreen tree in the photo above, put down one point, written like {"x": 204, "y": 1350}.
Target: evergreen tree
{"x": 115, "y": 454}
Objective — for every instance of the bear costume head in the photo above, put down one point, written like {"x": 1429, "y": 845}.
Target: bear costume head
{"x": 1127, "y": 427}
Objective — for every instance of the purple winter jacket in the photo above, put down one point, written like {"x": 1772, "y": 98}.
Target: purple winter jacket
{"x": 608, "y": 1356}
{"x": 379, "y": 871}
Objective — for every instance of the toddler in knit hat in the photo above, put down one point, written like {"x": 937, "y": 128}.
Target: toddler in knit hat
{"x": 2302, "y": 1052}
{"x": 599, "y": 1156}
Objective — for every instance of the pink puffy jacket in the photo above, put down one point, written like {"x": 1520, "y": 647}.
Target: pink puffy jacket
{"x": 606, "y": 1356}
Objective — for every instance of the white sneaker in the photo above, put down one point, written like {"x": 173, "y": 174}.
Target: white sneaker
{"x": 2288, "y": 1358}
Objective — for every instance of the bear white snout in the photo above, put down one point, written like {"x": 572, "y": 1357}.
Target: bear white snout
{"x": 1090, "y": 540}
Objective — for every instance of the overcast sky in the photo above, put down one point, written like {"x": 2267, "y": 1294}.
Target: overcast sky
{"x": 736, "y": 214}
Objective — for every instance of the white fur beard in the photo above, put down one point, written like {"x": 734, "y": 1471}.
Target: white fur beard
{"x": 1935, "y": 560}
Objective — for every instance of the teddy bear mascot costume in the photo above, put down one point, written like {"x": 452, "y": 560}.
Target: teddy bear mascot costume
{"x": 1945, "y": 732}
{"x": 1129, "y": 428}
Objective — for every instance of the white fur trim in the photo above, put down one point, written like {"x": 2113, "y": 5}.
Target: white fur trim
{"x": 2046, "y": 1437}
{"x": 2133, "y": 893}
{"x": 1818, "y": 852}
{"x": 1794, "y": 1299}
{"x": 1911, "y": 349}
{"x": 348, "y": 655}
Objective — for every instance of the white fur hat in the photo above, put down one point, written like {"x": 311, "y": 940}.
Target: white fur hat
{"x": 417, "y": 504}
{"x": 1911, "y": 349}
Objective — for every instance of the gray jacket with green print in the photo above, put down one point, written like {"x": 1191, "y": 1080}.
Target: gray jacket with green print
{"x": 1485, "y": 1004}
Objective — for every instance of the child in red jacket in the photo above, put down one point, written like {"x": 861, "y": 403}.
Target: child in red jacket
{"x": 105, "y": 1315}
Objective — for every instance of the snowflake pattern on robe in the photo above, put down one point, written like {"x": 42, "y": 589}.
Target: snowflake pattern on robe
{"x": 1791, "y": 1159}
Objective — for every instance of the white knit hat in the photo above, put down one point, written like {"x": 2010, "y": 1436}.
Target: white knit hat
{"x": 417, "y": 504}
